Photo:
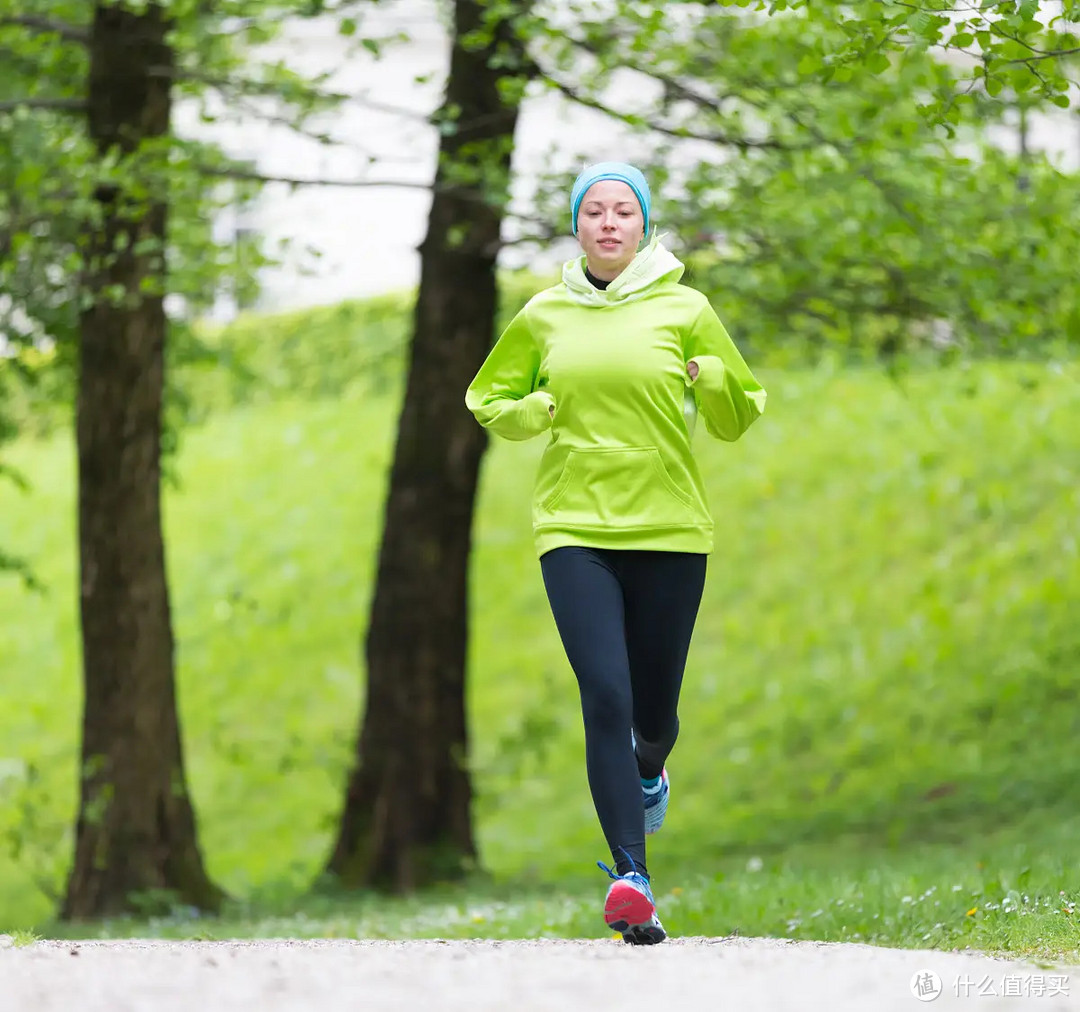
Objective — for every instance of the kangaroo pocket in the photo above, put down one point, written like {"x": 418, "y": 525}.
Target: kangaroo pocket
{"x": 622, "y": 487}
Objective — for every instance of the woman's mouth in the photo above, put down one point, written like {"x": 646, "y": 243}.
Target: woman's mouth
{"x": 609, "y": 243}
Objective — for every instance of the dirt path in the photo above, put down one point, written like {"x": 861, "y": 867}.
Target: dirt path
{"x": 746, "y": 975}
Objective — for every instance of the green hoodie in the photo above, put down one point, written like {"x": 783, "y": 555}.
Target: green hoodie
{"x": 618, "y": 471}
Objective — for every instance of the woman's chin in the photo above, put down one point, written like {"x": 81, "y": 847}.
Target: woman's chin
{"x": 610, "y": 261}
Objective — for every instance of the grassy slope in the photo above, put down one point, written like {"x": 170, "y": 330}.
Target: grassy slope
{"x": 884, "y": 673}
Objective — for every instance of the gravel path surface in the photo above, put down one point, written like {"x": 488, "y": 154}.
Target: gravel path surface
{"x": 743, "y": 974}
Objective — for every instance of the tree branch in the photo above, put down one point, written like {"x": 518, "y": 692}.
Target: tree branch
{"x": 61, "y": 104}
{"x": 46, "y": 26}
{"x": 535, "y": 238}
{"x": 1036, "y": 54}
{"x": 673, "y": 89}
{"x": 682, "y": 133}
{"x": 1041, "y": 54}
{"x": 249, "y": 175}
{"x": 21, "y": 569}
{"x": 272, "y": 89}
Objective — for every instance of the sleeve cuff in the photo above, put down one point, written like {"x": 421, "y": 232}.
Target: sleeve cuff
{"x": 711, "y": 370}
{"x": 540, "y": 405}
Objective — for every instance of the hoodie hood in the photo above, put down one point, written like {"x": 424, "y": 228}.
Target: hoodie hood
{"x": 653, "y": 265}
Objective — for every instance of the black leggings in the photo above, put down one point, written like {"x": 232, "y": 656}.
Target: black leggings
{"x": 625, "y": 618}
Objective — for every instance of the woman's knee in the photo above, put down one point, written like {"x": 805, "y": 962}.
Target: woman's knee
{"x": 607, "y": 710}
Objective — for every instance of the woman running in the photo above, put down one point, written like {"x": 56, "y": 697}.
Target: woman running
{"x": 618, "y": 361}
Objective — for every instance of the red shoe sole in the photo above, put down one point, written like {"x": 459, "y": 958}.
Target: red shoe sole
{"x": 626, "y": 907}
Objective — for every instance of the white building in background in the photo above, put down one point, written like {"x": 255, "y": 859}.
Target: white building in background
{"x": 348, "y": 242}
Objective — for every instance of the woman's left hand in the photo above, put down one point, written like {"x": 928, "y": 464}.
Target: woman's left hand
{"x": 692, "y": 370}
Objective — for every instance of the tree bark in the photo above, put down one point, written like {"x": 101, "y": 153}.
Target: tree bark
{"x": 406, "y": 819}
{"x": 135, "y": 838}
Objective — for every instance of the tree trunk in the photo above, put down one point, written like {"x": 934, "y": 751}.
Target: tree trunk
{"x": 135, "y": 839}
{"x": 406, "y": 820}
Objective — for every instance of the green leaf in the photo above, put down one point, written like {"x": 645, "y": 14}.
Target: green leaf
{"x": 920, "y": 22}
{"x": 877, "y": 63}
{"x": 347, "y": 27}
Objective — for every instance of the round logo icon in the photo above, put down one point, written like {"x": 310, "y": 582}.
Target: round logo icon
{"x": 925, "y": 985}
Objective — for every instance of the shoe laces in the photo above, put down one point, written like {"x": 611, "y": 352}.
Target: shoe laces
{"x": 634, "y": 876}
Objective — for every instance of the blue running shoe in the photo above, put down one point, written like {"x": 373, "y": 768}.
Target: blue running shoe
{"x": 629, "y": 908}
{"x": 655, "y": 798}
{"x": 656, "y": 802}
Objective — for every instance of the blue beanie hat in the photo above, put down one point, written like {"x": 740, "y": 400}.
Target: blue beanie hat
{"x": 620, "y": 171}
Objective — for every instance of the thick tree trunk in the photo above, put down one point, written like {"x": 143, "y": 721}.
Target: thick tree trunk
{"x": 406, "y": 820}
{"x": 135, "y": 837}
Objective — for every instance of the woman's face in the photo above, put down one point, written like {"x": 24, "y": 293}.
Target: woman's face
{"x": 610, "y": 225}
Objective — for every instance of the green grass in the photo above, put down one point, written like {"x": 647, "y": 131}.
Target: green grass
{"x": 880, "y": 711}
{"x": 1005, "y": 894}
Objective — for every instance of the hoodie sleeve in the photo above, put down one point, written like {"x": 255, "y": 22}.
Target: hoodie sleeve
{"x": 727, "y": 395}
{"x": 504, "y": 395}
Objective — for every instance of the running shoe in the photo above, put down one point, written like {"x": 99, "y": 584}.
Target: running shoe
{"x": 629, "y": 908}
{"x": 656, "y": 802}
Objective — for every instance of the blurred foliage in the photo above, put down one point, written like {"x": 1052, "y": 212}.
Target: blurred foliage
{"x": 1023, "y": 46}
{"x": 828, "y": 200}
{"x": 49, "y": 176}
{"x": 331, "y": 351}
{"x": 942, "y": 253}
{"x": 840, "y": 187}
